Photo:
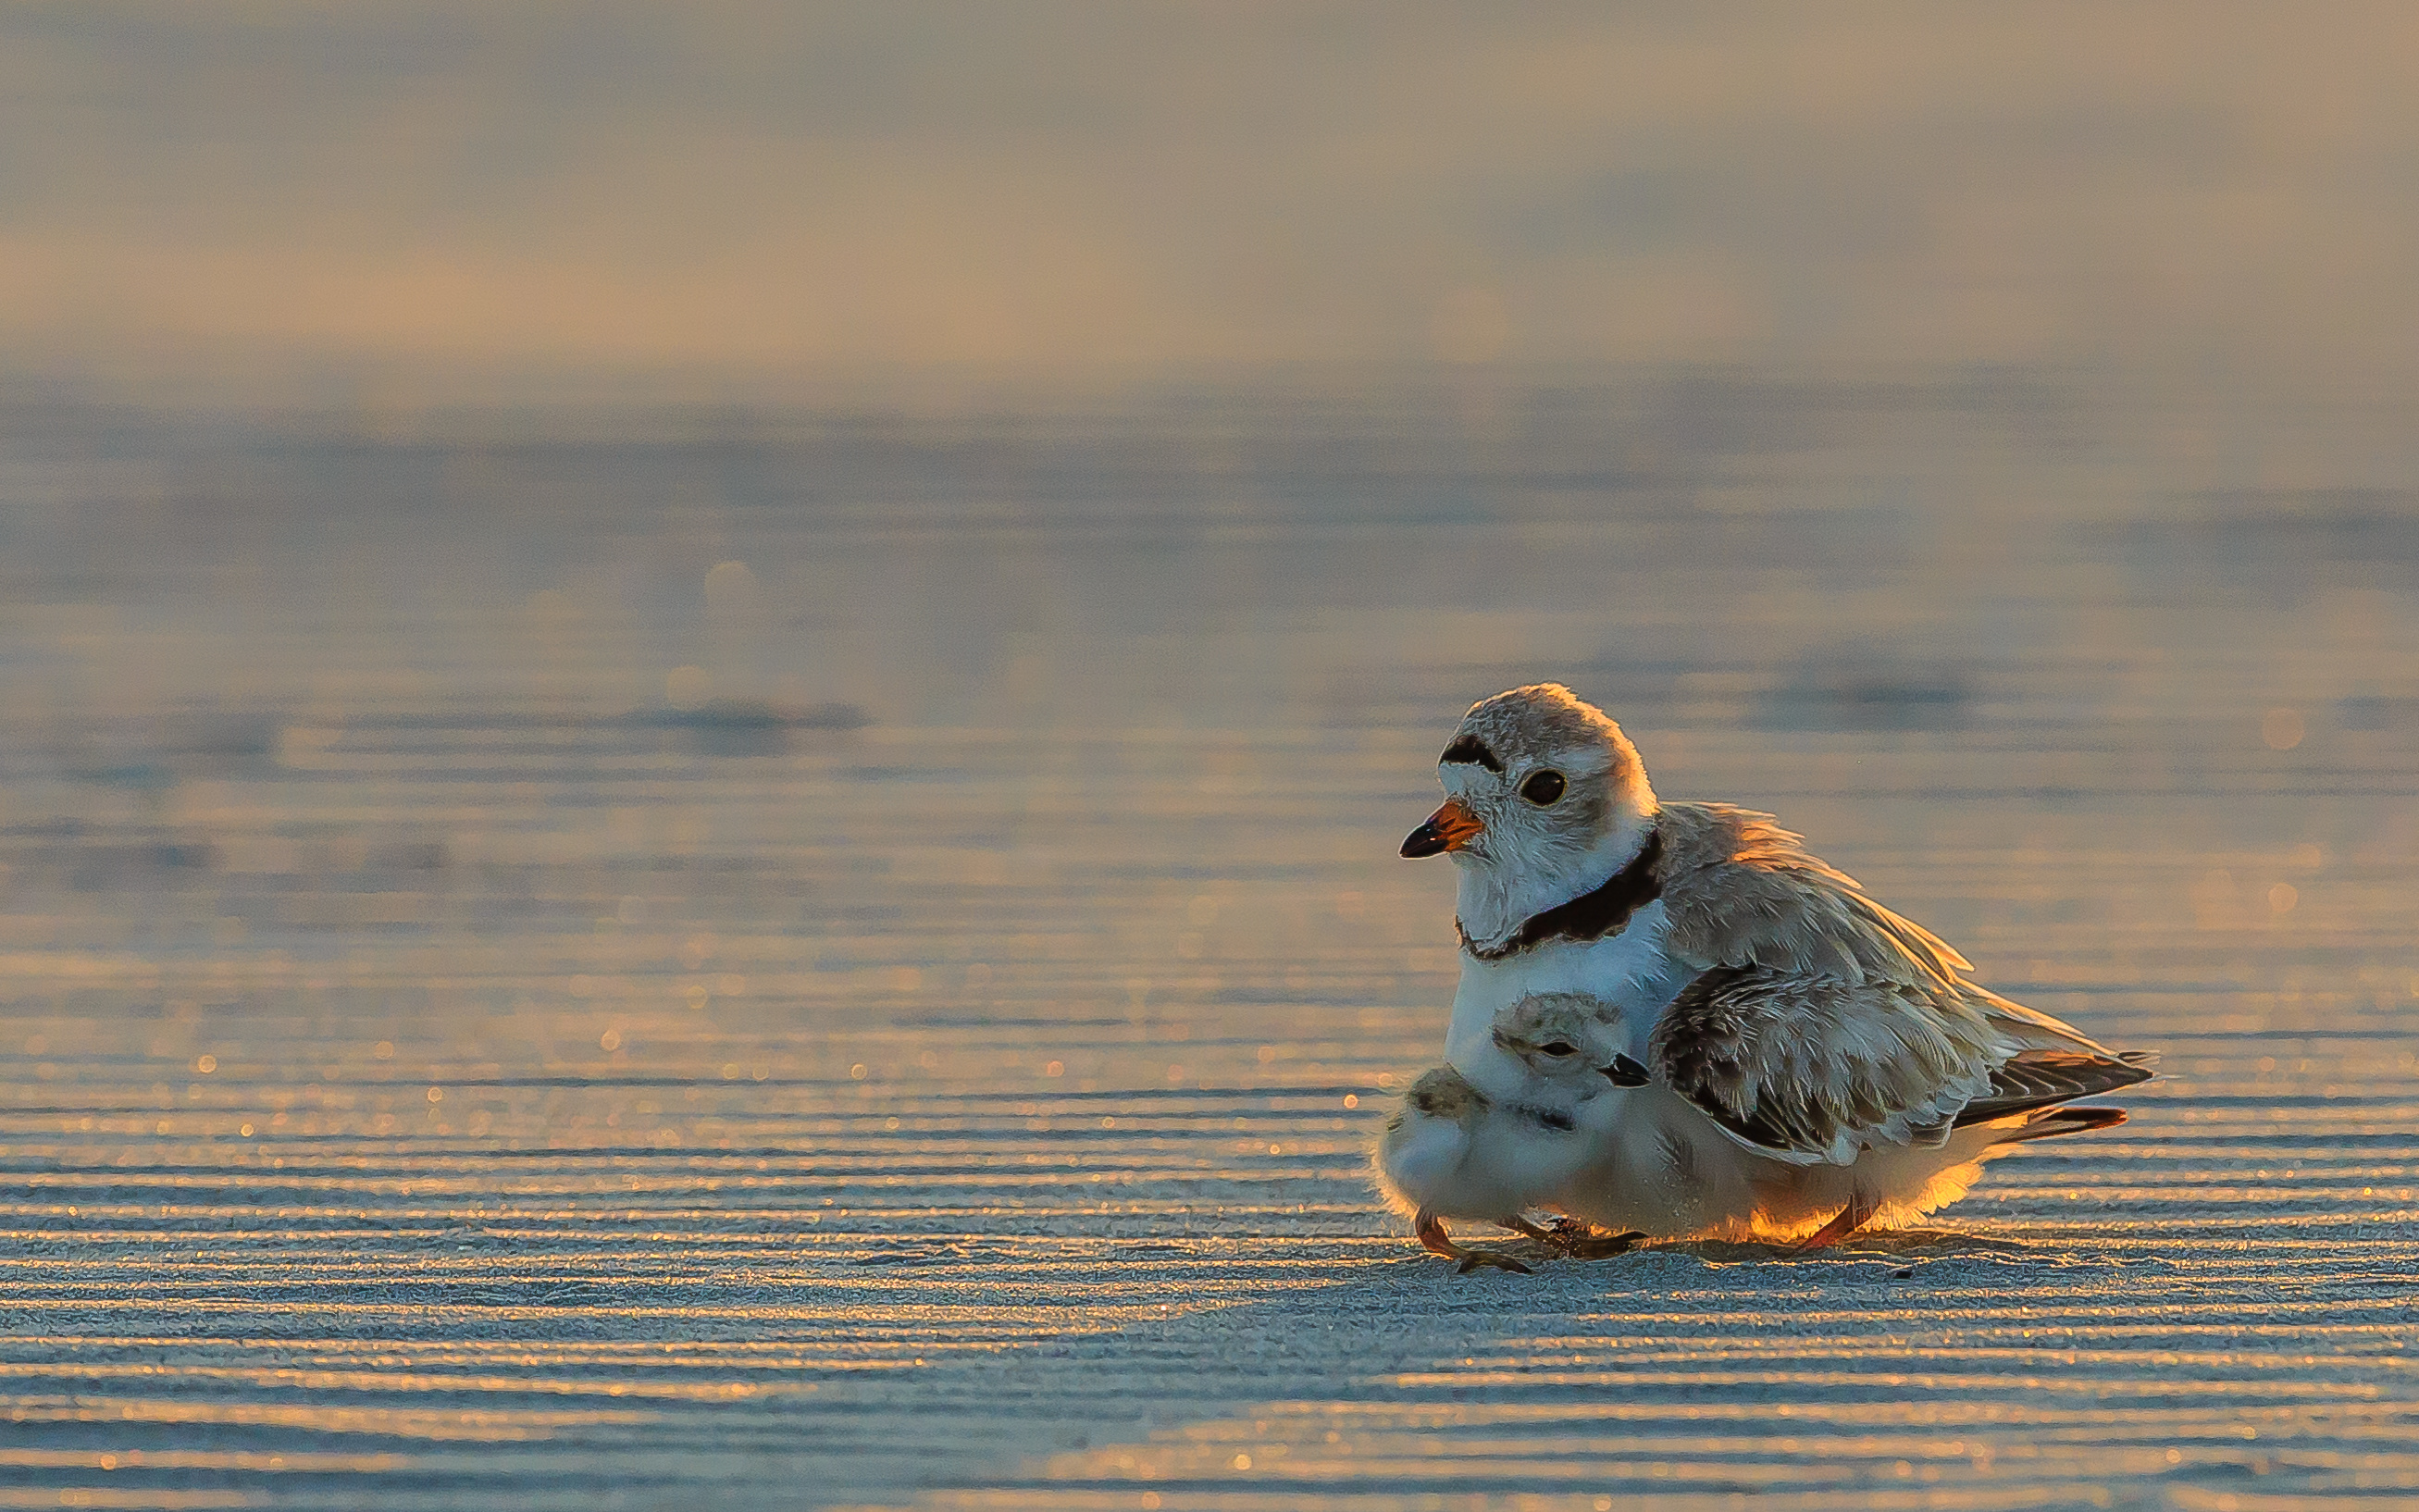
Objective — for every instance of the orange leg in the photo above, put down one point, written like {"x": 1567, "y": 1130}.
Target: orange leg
{"x": 1858, "y": 1212}
{"x": 1433, "y": 1238}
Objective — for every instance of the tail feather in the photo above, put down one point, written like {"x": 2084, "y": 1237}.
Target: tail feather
{"x": 2038, "y": 1078}
{"x": 2051, "y": 1122}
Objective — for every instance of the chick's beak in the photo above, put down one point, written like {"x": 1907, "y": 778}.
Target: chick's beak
{"x": 1450, "y": 828}
{"x": 1624, "y": 1071}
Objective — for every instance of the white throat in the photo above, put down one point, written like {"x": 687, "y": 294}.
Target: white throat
{"x": 1496, "y": 893}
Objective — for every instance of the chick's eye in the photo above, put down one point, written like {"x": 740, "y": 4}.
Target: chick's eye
{"x": 1543, "y": 789}
{"x": 1559, "y": 1047}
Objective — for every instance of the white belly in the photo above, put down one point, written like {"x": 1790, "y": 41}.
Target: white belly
{"x": 1630, "y": 971}
{"x": 1662, "y": 1167}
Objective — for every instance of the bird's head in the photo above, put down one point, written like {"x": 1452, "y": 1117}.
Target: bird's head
{"x": 1557, "y": 1034}
{"x": 1539, "y": 785}
{"x": 1443, "y": 1094}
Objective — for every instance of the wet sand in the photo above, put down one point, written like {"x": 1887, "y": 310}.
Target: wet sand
{"x": 503, "y": 1009}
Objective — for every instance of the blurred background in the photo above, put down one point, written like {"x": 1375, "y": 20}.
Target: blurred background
{"x": 373, "y": 205}
{"x": 704, "y": 712}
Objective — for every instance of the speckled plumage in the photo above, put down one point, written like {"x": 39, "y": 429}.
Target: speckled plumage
{"x": 1442, "y": 1092}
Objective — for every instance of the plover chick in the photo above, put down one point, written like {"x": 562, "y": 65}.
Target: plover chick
{"x": 1453, "y": 1152}
{"x": 1816, "y": 1061}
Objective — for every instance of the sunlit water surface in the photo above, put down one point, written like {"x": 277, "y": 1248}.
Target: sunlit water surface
{"x": 506, "y": 1008}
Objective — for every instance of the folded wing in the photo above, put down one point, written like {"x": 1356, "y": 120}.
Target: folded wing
{"x": 1821, "y": 1024}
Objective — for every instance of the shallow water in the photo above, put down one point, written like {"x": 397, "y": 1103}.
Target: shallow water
{"x": 504, "y": 1007}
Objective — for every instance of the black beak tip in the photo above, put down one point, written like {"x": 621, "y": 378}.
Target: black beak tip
{"x": 1624, "y": 1072}
{"x": 1425, "y": 840}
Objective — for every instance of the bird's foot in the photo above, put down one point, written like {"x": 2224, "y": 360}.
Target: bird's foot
{"x": 1473, "y": 1259}
{"x": 1585, "y": 1242}
{"x": 1433, "y": 1238}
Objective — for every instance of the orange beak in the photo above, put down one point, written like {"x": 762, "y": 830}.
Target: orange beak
{"x": 1450, "y": 828}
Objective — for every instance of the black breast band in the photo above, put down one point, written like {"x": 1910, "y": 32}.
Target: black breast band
{"x": 1591, "y": 916}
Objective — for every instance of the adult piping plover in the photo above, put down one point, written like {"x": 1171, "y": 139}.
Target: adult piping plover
{"x": 1453, "y": 1152}
{"x": 1816, "y": 1062}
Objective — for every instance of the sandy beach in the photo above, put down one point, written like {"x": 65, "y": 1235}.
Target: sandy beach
{"x": 792, "y": 959}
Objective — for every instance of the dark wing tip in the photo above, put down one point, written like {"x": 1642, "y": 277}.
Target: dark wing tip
{"x": 2050, "y": 1123}
{"x": 2043, "y": 1078}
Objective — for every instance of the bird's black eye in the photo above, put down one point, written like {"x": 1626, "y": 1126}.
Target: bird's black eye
{"x": 1560, "y": 1047}
{"x": 1543, "y": 789}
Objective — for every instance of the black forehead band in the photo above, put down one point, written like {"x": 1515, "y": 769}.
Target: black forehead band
{"x": 1471, "y": 749}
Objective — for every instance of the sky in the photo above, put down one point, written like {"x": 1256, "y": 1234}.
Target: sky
{"x": 1064, "y": 189}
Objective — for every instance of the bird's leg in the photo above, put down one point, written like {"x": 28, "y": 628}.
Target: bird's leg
{"x": 1858, "y": 1212}
{"x": 1433, "y": 1238}
{"x": 1519, "y": 1225}
{"x": 1586, "y": 1241}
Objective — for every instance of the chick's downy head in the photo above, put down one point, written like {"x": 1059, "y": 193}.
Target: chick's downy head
{"x": 1557, "y": 1034}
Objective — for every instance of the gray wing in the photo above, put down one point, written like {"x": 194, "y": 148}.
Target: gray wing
{"x": 1815, "y": 1070}
{"x": 1821, "y": 1023}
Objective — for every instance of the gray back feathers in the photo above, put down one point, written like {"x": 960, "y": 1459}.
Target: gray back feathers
{"x": 1822, "y": 1023}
